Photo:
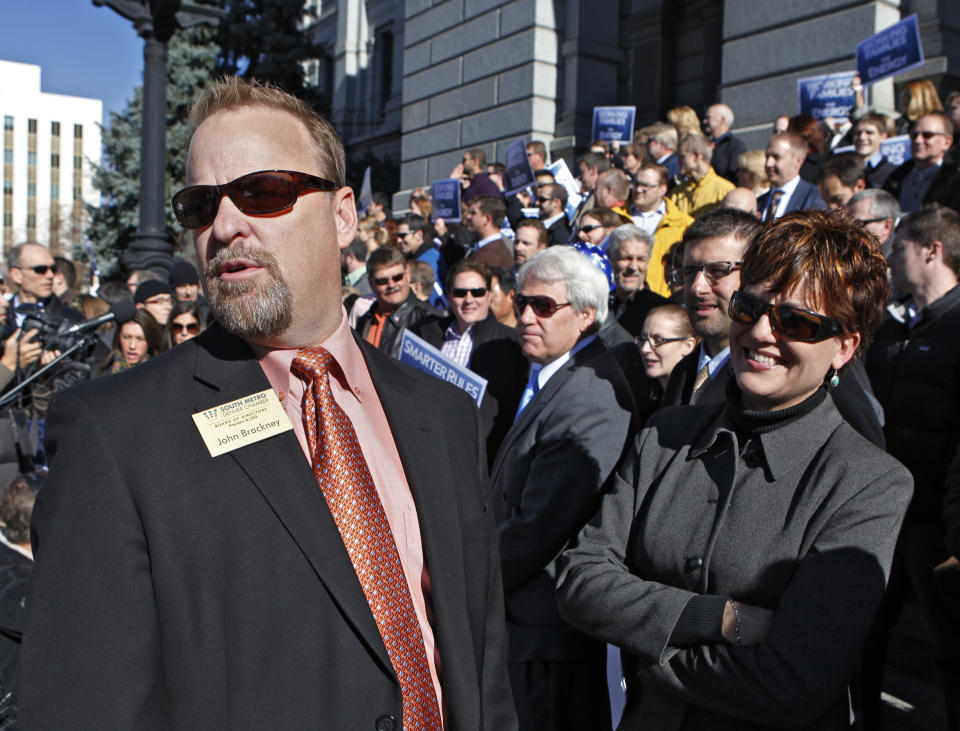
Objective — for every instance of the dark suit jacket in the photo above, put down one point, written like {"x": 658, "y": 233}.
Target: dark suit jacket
{"x": 805, "y": 197}
{"x": 547, "y": 481}
{"x": 877, "y": 176}
{"x": 497, "y": 357}
{"x": 945, "y": 188}
{"x": 494, "y": 254}
{"x": 176, "y": 590}
{"x": 726, "y": 155}
{"x": 672, "y": 164}
{"x": 559, "y": 232}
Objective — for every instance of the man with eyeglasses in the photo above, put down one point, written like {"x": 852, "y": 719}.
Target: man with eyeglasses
{"x": 712, "y": 249}
{"x": 32, "y": 270}
{"x": 575, "y": 417}
{"x": 659, "y": 216}
{"x": 334, "y": 566}
{"x": 552, "y": 200}
{"x": 396, "y": 307}
{"x": 472, "y": 337}
{"x": 878, "y": 212}
{"x": 415, "y": 238}
{"x": 930, "y": 175}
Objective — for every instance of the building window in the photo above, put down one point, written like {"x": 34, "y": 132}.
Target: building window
{"x": 76, "y": 192}
{"x": 55, "y": 129}
{"x": 8, "y": 155}
{"x": 54, "y": 191}
{"x": 77, "y": 162}
{"x": 55, "y": 160}
{"x": 8, "y": 123}
{"x": 31, "y": 190}
{"x": 31, "y": 158}
{"x": 78, "y": 131}
{"x": 7, "y": 218}
{"x": 32, "y": 126}
{"x": 8, "y": 187}
{"x": 31, "y": 220}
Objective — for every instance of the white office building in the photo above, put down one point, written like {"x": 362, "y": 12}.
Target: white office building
{"x": 50, "y": 142}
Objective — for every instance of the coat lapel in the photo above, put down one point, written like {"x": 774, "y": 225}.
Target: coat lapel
{"x": 227, "y": 370}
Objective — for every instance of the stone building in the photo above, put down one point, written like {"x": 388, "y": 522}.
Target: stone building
{"x": 421, "y": 81}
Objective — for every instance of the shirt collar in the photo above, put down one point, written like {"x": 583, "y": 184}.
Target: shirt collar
{"x": 789, "y": 186}
{"x": 548, "y": 370}
{"x": 489, "y": 239}
{"x": 875, "y": 159}
{"x": 717, "y": 361}
{"x": 548, "y": 222}
{"x": 340, "y": 344}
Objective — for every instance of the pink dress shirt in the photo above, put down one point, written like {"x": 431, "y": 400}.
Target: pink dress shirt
{"x": 354, "y": 392}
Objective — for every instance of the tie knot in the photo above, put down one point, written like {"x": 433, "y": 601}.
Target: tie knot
{"x": 311, "y": 363}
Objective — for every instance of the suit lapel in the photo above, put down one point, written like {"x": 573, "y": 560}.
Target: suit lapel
{"x": 227, "y": 370}
{"x": 421, "y": 442}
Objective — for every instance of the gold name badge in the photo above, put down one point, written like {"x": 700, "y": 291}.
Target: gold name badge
{"x": 238, "y": 423}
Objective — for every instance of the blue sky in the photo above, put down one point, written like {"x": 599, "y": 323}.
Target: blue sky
{"x": 82, "y": 50}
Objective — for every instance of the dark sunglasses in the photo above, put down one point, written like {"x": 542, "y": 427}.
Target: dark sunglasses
{"x": 257, "y": 194}
{"x": 542, "y": 199}
{"x": 383, "y": 281}
{"x": 657, "y": 340}
{"x": 461, "y": 292}
{"x": 40, "y": 268}
{"x": 542, "y": 306}
{"x": 588, "y": 229}
{"x": 926, "y": 134}
{"x": 714, "y": 271}
{"x": 191, "y": 327}
{"x": 791, "y": 322}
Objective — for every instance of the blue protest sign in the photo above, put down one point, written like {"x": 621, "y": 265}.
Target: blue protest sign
{"x": 418, "y": 353}
{"x": 890, "y": 52}
{"x": 519, "y": 173}
{"x": 613, "y": 123}
{"x": 825, "y": 96}
{"x": 446, "y": 199}
{"x": 896, "y": 149}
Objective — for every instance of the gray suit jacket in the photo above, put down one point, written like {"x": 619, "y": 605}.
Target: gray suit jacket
{"x": 801, "y": 520}
{"x": 546, "y": 483}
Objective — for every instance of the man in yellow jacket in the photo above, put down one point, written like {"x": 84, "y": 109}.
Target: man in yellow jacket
{"x": 703, "y": 189}
{"x": 659, "y": 216}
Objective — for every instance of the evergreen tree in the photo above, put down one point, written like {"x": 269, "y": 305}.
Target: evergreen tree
{"x": 264, "y": 40}
{"x": 191, "y": 58}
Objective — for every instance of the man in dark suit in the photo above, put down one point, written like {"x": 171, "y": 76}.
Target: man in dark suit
{"x": 575, "y": 417}
{"x": 726, "y": 148}
{"x": 552, "y": 200}
{"x": 177, "y": 589}
{"x": 869, "y": 132}
{"x": 788, "y": 191}
{"x": 931, "y": 174}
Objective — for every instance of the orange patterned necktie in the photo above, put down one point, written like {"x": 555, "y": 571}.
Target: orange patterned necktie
{"x": 344, "y": 478}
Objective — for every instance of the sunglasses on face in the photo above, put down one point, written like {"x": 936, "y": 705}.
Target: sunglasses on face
{"x": 541, "y": 199}
{"x": 587, "y": 229}
{"x": 461, "y": 292}
{"x": 40, "y": 268}
{"x": 256, "y": 194}
{"x": 926, "y": 134}
{"x": 384, "y": 281}
{"x": 657, "y": 340}
{"x": 542, "y": 306}
{"x": 185, "y": 327}
{"x": 714, "y": 271}
{"x": 787, "y": 320}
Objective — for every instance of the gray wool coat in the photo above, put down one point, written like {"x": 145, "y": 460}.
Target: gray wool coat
{"x": 801, "y": 520}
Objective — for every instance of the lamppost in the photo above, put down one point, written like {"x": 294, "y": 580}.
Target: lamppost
{"x": 155, "y": 21}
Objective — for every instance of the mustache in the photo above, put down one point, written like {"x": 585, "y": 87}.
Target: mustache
{"x": 214, "y": 267}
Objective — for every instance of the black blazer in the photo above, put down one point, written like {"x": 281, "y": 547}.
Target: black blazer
{"x": 176, "y": 590}
{"x": 805, "y": 197}
{"x": 945, "y": 188}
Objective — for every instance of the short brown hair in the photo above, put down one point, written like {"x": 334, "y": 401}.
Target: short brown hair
{"x": 232, "y": 92}
{"x": 468, "y": 265}
{"x": 605, "y": 216}
{"x": 834, "y": 258}
{"x": 936, "y": 223}
{"x": 536, "y": 224}
{"x": 490, "y": 206}
{"x": 662, "y": 174}
{"x": 385, "y": 256}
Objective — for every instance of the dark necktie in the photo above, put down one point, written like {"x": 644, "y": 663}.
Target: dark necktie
{"x": 344, "y": 478}
{"x": 774, "y": 204}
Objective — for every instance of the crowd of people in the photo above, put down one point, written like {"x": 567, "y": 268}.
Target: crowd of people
{"x": 720, "y": 431}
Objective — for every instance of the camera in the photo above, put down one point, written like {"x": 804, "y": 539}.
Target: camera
{"x": 51, "y": 328}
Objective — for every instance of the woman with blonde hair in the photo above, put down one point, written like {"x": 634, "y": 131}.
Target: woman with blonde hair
{"x": 752, "y": 172}
{"x": 685, "y": 120}
{"x": 371, "y": 233}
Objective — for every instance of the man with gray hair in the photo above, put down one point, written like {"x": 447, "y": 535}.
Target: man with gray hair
{"x": 629, "y": 248}
{"x": 879, "y": 213}
{"x": 703, "y": 189}
{"x": 662, "y": 146}
{"x": 575, "y": 417}
{"x": 726, "y": 148}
